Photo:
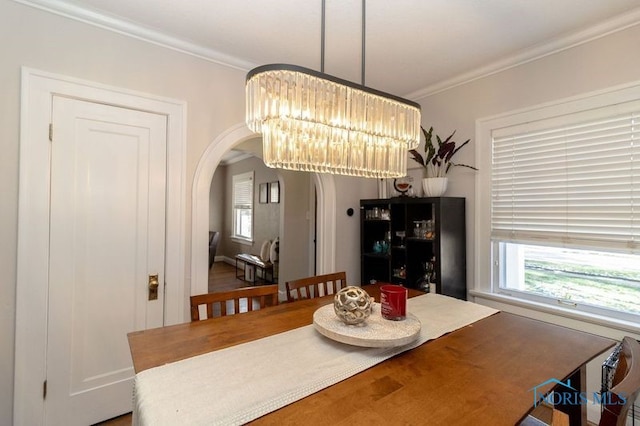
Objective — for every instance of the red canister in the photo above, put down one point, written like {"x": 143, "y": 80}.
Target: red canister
{"x": 393, "y": 302}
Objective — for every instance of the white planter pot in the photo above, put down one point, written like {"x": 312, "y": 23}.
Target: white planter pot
{"x": 434, "y": 187}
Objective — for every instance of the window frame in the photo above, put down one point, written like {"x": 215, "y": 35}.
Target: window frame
{"x": 239, "y": 179}
{"x": 498, "y": 247}
{"x": 487, "y": 271}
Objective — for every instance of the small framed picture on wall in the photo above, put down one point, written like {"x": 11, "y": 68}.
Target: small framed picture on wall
{"x": 264, "y": 193}
{"x": 274, "y": 192}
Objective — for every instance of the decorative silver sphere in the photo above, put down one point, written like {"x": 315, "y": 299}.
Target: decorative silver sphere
{"x": 352, "y": 305}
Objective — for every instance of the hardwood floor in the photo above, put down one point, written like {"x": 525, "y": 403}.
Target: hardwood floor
{"x": 123, "y": 420}
{"x": 222, "y": 276}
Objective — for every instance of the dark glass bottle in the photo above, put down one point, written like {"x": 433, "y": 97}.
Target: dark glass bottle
{"x": 428, "y": 275}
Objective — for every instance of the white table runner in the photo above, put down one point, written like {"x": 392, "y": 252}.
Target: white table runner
{"x": 241, "y": 383}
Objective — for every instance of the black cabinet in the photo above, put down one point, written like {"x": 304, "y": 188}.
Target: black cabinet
{"x": 404, "y": 238}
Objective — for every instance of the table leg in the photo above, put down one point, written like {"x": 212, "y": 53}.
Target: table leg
{"x": 574, "y": 406}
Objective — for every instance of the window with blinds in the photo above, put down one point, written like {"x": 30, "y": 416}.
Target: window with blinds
{"x": 565, "y": 208}
{"x": 575, "y": 184}
{"x": 243, "y": 206}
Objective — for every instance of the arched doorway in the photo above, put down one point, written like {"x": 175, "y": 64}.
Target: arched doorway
{"x": 207, "y": 165}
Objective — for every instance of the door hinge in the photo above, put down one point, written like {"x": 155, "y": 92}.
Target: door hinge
{"x": 50, "y": 132}
{"x": 44, "y": 390}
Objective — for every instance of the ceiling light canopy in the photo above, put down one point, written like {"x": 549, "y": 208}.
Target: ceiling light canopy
{"x": 315, "y": 122}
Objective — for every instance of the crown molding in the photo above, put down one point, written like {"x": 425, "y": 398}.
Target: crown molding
{"x": 603, "y": 29}
{"x": 236, "y": 157}
{"x": 121, "y": 26}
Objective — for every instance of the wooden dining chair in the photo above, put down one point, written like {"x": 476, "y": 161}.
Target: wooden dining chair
{"x": 622, "y": 382}
{"x": 318, "y": 285}
{"x": 234, "y": 301}
{"x": 625, "y": 384}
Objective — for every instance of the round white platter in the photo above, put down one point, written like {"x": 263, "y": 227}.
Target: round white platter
{"x": 374, "y": 332}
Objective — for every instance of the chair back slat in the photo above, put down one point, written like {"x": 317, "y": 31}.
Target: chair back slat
{"x": 217, "y": 302}
{"x": 316, "y": 286}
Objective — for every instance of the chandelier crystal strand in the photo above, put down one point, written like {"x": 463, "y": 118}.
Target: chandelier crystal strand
{"x": 311, "y": 121}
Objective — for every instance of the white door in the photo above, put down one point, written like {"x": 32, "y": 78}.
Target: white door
{"x": 107, "y": 234}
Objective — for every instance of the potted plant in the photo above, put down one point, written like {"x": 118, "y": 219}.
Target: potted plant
{"x": 437, "y": 161}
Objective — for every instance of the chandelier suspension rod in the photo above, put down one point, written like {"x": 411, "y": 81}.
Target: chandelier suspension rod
{"x": 364, "y": 38}
{"x": 322, "y": 23}
{"x": 364, "y": 33}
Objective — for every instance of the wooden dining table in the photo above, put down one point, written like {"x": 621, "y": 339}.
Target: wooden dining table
{"x": 485, "y": 373}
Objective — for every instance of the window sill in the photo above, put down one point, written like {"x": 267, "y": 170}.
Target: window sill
{"x": 563, "y": 312}
{"x": 243, "y": 241}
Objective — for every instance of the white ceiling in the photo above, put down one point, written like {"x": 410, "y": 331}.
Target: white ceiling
{"x": 413, "y": 47}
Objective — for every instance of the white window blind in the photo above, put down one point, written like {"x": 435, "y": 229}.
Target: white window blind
{"x": 572, "y": 180}
{"x": 243, "y": 191}
{"x": 243, "y": 205}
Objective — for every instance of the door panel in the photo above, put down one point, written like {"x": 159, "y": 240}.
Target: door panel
{"x": 108, "y": 178}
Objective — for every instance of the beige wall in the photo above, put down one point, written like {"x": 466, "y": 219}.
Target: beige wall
{"x": 266, "y": 217}
{"x": 295, "y": 238}
{"x": 349, "y": 191}
{"x": 217, "y": 194}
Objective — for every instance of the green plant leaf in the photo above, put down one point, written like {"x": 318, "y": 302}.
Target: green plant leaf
{"x": 458, "y": 148}
{"x": 446, "y": 151}
{"x": 462, "y": 165}
{"x": 448, "y": 139}
{"x": 417, "y": 157}
{"x": 427, "y": 134}
{"x": 440, "y": 154}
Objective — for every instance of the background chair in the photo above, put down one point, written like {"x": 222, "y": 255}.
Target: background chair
{"x": 242, "y": 299}
{"x": 311, "y": 287}
{"x": 214, "y": 236}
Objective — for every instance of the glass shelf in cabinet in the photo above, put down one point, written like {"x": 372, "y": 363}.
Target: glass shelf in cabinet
{"x": 380, "y": 255}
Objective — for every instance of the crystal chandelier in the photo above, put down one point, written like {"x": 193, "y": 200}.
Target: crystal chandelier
{"x": 311, "y": 121}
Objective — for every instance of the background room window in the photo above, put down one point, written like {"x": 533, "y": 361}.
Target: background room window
{"x": 243, "y": 206}
{"x": 565, "y": 209}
